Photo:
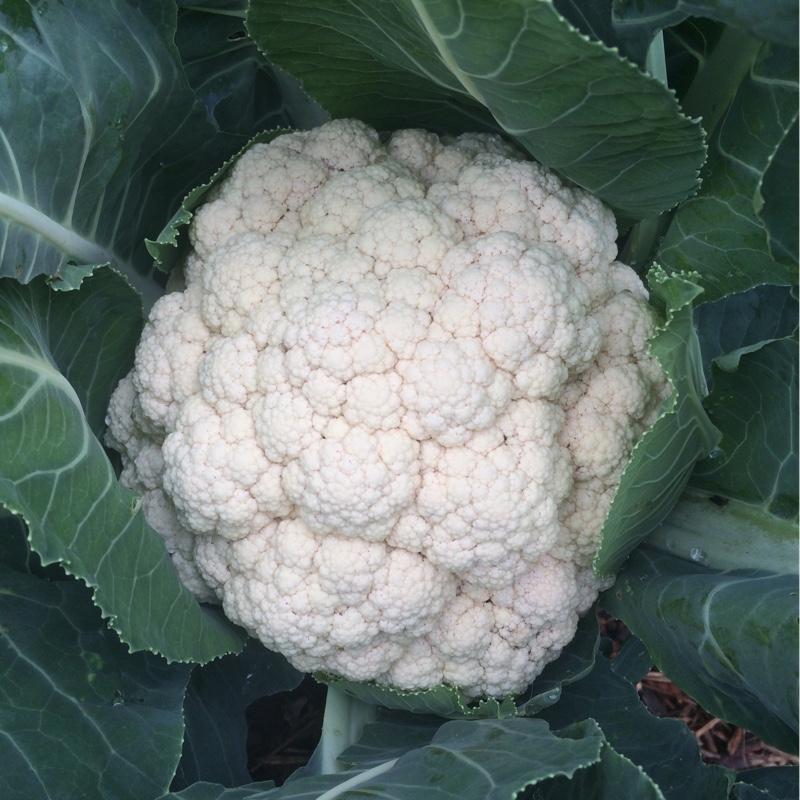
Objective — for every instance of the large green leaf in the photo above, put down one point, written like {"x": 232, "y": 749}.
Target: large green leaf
{"x": 639, "y": 20}
{"x": 495, "y": 758}
{"x": 742, "y": 506}
{"x": 613, "y": 777}
{"x": 718, "y": 234}
{"x": 101, "y": 135}
{"x": 743, "y": 320}
{"x": 80, "y": 715}
{"x": 240, "y": 90}
{"x": 465, "y": 760}
{"x": 728, "y": 639}
{"x": 391, "y": 735}
{"x": 214, "y": 747}
{"x": 664, "y": 749}
{"x": 498, "y": 758}
{"x": 55, "y": 474}
{"x": 716, "y": 602}
{"x": 774, "y": 783}
{"x": 353, "y": 68}
{"x": 442, "y": 701}
{"x": 757, "y": 459}
{"x": 573, "y": 103}
{"x": 780, "y": 192}
{"x": 663, "y": 459}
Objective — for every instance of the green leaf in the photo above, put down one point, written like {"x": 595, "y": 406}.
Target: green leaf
{"x": 717, "y": 234}
{"x": 441, "y": 701}
{"x": 781, "y": 208}
{"x": 81, "y": 716}
{"x": 663, "y": 459}
{"x": 716, "y": 601}
{"x": 571, "y": 102}
{"x": 612, "y": 778}
{"x": 743, "y": 320}
{"x": 214, "y": 748}
{"x": 356, "y": 66}
{"x": 168, "y": 248}
{"x": 236, "y": 85}
{"x": 664, "y": 749}
{"x": 593, "y": 19}
{"x": 774, "y": 783}
{"x": 755, "y": 405}
{"x": 639, "y": 20}
{"x": 390, "y": 736}
{"x": 88, "y": 335}
{"x": 102, "y": 135}
{"x": 496, "y": 758}
{"x": 728, "y": 639}
{"x": 214, "y": 791}
{"x": 466, "y": 760}
{"x": 55, "y": 474}
{"x": 633, "y": 661}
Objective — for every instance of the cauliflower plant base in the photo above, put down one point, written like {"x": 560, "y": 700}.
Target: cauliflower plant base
{"x": 384, "y": 421}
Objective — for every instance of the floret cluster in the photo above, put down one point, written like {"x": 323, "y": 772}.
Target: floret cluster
{"x": 384, "y": 419}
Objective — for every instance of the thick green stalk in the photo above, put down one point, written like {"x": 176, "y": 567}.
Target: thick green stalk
{"x": 708, "y": 98}
{"x": 727, "y": 534}
{"x": 717, "y": 81}
{"x": 344, "y": 719}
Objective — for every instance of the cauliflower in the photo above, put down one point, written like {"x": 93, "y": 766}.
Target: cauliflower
{"x": 383, "y": 422}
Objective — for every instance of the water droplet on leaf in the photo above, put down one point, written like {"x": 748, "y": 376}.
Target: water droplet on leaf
{"x": 698, "y": 555}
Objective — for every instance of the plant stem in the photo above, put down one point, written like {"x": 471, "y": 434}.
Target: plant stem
{"x": 656, "y": 61}
{"x": 344, "y": 719}
{"x": 727, "y": 534}
{"x": 718, "y": 79}
{"x": 708, "y": 98}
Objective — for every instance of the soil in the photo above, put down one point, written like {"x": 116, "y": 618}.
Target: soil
{"x": 283, "y": 731}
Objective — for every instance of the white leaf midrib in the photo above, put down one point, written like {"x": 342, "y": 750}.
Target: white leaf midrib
{"x": 444, "y": 51}
{"x": 41, "y": 367}
{"x": 68, "y": 241}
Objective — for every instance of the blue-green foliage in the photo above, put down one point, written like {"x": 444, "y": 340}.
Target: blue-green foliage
{"x": 115, "y": 119}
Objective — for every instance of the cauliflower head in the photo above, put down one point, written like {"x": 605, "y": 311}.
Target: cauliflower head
{"x": 383, "y": 422}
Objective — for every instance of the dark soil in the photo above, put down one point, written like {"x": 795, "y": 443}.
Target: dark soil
{"x": 283, "y": 731}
